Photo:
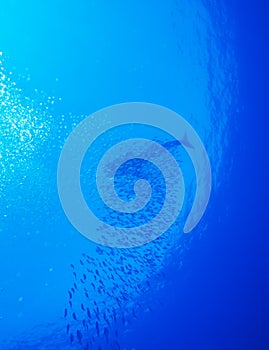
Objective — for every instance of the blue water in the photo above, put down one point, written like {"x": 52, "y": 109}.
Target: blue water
{"x": 62, "y": 61}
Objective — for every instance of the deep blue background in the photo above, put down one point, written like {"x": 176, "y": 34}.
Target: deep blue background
{"x": 225, "y": 303}
{"x": 226, "y": 290}
{"x": 220, "y": 298}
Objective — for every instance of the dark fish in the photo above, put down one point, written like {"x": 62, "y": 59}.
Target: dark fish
{"x": 97, "y": 328}
{"x": 86, "y": 295}
{"x": 67, "y": 328}
{"x": 81, "y": 262}
{"x": 99, "y": 250}
{"x": 74, "y": 316}
{"x": 106, "y": 334}
{"x": 118, "y": 302}
{"x": 97, "y": 315}
{"x": 82, "y": 281}
{"x": 75, "y": 285}
{"x": 117, "y": 345}
{"x": 170, "y": 144}
{"x": 70, "y": 303}
{"x": 133, "y": 312}
{"x": 97, "y": 273}
{"x": 105, "y": 318}
{"x": 65, "y": 313}
{"x": 70, "y": 294}
{"x": 88, "y": 312}
{"x": 73, "y": 290}
{"x": 72, "y": 266}
{"x": 84, "y": 276}
{"x": 123, "y": 319}
{"x": 121, "y": 278}
{"x": 114, "y": 314}
{"x": 82, "y": 307}
{"x": 79, "y": 336}
{"x": 74, "y": 273}
{"x": 71, "y": 338}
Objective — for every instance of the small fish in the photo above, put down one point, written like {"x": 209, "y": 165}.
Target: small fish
{"x": 114, "y": 314}
{"x": 74, "y": 273}
{"x": 99, "y": 250}
{"x": 87, "y": 295}
{"x": 73, "y": 290}
{"x": 79, "y": 336}
{"x": 67, "y": 328}
{"x": 84, "y": 276}
{"x": 70, "y": 294}
{"x": 117, "y": 345}
{"x": 97, "y": 328}
{"x": 97, "y": 315}
{"x": 123, "y": 319}
{"x": 133, "y": 312}
{"x": 71, "y": 338}
{"x": 81, "y": 262}
{"x": 65, "y": 313}
{"x": 72, "y": 266}
{"x": 88, "y": 312}
{"x": 74, "y": 316}
{"x": 82, "y": 307}
{"x": 106, "y": 334}
{"x": 70, "y": 303}
{"x": 75, "y": 285}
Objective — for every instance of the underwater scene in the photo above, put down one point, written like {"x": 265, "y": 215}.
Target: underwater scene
{"x": 133, "y": 163}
